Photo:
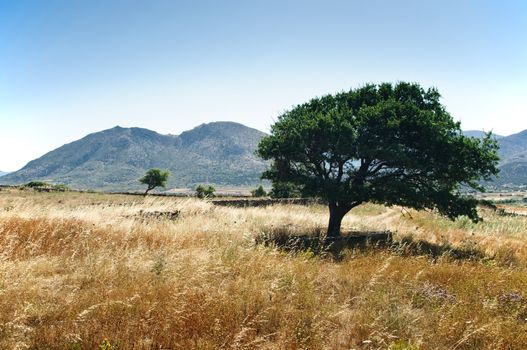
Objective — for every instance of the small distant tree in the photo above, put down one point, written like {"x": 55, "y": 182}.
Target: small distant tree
{"x": 259, "y": 192}
{"x": 387, "y": 144}
{"x": 154, "y": 178}
{"x": 205, "y": 191}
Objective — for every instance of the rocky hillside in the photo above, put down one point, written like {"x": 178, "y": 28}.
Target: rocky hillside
{"x": 220, "y": 153}
{"x": 513, "y": 158}
{"x": 513, "y": 164}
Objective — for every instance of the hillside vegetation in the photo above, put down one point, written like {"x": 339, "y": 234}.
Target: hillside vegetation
{"x": 79, "y": 271}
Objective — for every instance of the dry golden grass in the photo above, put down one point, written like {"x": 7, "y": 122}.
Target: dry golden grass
{"x": 76, "y": 269}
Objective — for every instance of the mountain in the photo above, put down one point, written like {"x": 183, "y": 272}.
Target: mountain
{"x": 512, "y": 146}
{"x": 220, "y": 153}
{"x": 512, "y": 174}
{"x": 513, "y": 158}
{"x": 2, "y": 173}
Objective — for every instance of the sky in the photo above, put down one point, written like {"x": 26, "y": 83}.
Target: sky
{"x": 69, "y": 67}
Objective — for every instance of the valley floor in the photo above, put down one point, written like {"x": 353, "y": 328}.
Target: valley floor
{"x": 94, "y": 271}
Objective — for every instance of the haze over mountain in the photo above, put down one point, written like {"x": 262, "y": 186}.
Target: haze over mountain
{"x": 220, "y": 153}
{"x": 2, "y": 173}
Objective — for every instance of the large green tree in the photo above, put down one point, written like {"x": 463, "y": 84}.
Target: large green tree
{"x": 388, "y": 144}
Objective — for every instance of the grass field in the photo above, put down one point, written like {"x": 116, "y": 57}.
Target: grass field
{"x": 93, "y": 271}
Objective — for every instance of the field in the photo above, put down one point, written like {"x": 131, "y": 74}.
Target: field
{"x": 94, "y": 271}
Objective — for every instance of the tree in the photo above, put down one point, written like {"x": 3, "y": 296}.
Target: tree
{"x": 205, "y": 191}
{"x": 387, "y": 144}
{"x": 285, "y": 190}
{"x": 154, "y": 178}
{"x": 259, "y": 192}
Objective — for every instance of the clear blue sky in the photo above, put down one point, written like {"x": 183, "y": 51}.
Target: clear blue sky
{"x": 68, "y": 68}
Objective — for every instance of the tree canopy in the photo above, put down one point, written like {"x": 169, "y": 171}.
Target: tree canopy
{"x": 388, "y": 144}
{"x": 154, "y": 178}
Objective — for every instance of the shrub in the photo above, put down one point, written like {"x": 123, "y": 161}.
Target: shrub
{"x": 205, "y": 191}
{"x": 259, "y": 192}
{"x": 106, "y": 345}
{"x": 402, "y": 345}
{"x": 61, "y": 188}
{"x": 33, "y": 184}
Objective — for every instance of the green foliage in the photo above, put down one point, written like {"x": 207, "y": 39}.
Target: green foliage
{"x": 205, "y": 191}
{"x": 402, "y": 345}
{"x": 44, "y": 185}
{"x": 74, "y": 346}
{"x": 159, "y": 265}
{"x": 388, "y": 144}
{"x": 285, "y": 190}
{"x": 33, "y": 184}
{"x": 154, "y": 178}
{"x": 200, "y": 191}
{"x": 106, "y": 345}
{"x": 61, "y": 188}
{"x": 259, "y": 192}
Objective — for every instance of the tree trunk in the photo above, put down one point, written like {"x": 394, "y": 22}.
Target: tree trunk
{"x": 336, "y": 214}
{"x": 147, "y": 190}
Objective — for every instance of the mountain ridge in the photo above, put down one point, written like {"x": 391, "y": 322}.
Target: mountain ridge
{"x": 513, "y": 158}
{"x": 220, "y": 153}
